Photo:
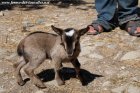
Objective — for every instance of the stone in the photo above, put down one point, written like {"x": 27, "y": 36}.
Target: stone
{"x": 120, "y": 89}
{"x": 123, "y": 67}
{"x": 2, "y": 90}
{"x": 112, "y": 46}
{"x": 85, "y": 40}
{"x": 12, "y": 57}
{"x": 82, "y": 7}
{"x": 53, "y": 82}
{"x": 27, "y": 23}
{"x": 96, "y": 56}
{"x": 133, "y": 89}
{"x": 118, "y": 55}
{"x": 1, "y": 13}
{"x": 136, "y": 79}
{"x": 47, "y": 24}
{"x": 106, "y": 52}
{"x": 3, "y": 53}
{"x": 9, "y": 29}
{"x": 1, "y": 71}
{"x": 110, "y": 71}
{"x": 106, "y": 84}
{"x": 99, "y": 43}
{"x": 131, "y": 55}
{"x": 86, "y": 50}
{"x": 39, "y": 91}
{"x": 40, "y": 21}
{"x": 123, "y": 73}
{"x": 83, "y": 60}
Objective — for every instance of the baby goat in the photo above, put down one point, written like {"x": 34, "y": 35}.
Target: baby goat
{"x": 38, "y": 46}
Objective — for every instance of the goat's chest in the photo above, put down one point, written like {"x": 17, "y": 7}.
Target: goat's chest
{"x": 58, "y": 52}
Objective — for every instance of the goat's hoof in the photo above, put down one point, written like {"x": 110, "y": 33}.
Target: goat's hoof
{"x": 60, "y": 83}
{"x": 21, "y": 83}
{"x": 77, "y": 76}
{"x": 42, "y": 86}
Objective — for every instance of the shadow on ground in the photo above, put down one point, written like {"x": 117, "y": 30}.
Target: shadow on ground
{"x": 67, "y": 73}
{"x": 27, "y": 7}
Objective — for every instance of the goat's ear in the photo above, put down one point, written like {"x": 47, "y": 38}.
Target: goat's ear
{"x": 83, "y": 31}
{"x": 59, "y": 31}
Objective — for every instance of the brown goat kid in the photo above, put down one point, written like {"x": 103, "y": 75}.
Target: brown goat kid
{"x": 38, "y": 46}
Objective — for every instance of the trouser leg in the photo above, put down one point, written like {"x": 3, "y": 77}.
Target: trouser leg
{"x": 127, "y": 11}
{"x": 106, "y": 11}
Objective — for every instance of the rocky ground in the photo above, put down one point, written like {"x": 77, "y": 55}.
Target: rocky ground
{"x": 110, "y": 61}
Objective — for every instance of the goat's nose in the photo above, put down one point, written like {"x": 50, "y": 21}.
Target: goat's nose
{"x": 70, "y": 53}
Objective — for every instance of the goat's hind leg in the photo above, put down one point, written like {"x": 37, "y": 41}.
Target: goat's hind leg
{"x": 18, "y": 67}
{"x": 30, "y": 72}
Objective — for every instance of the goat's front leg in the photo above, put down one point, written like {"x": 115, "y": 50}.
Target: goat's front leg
{"x": 77, "y": 65}
{"x": 57, "y": 68}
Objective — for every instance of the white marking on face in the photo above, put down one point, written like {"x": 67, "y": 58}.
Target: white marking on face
{"x": 70, "y": 33}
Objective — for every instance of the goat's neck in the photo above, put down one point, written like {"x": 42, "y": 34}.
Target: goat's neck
{"x": 58, "y": 39}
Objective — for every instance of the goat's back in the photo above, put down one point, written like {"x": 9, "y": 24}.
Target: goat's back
{"x": 37, "y": 41}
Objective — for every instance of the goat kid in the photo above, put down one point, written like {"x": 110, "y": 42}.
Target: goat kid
{"x": 38, "y": 46}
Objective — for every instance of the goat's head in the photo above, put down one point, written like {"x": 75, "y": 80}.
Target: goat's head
{"x": 70, "y": 38}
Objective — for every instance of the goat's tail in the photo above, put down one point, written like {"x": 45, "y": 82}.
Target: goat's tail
{"x": 20, "y": 49}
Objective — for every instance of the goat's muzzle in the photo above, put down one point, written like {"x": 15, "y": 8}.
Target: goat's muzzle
{"x": 70, "y": 53}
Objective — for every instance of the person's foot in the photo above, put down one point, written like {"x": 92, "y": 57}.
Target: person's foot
{"x": 95, "y": 29}
{"x": 133, "y": 28}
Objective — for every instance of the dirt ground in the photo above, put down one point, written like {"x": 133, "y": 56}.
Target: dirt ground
{"x": 110, "y": 61}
